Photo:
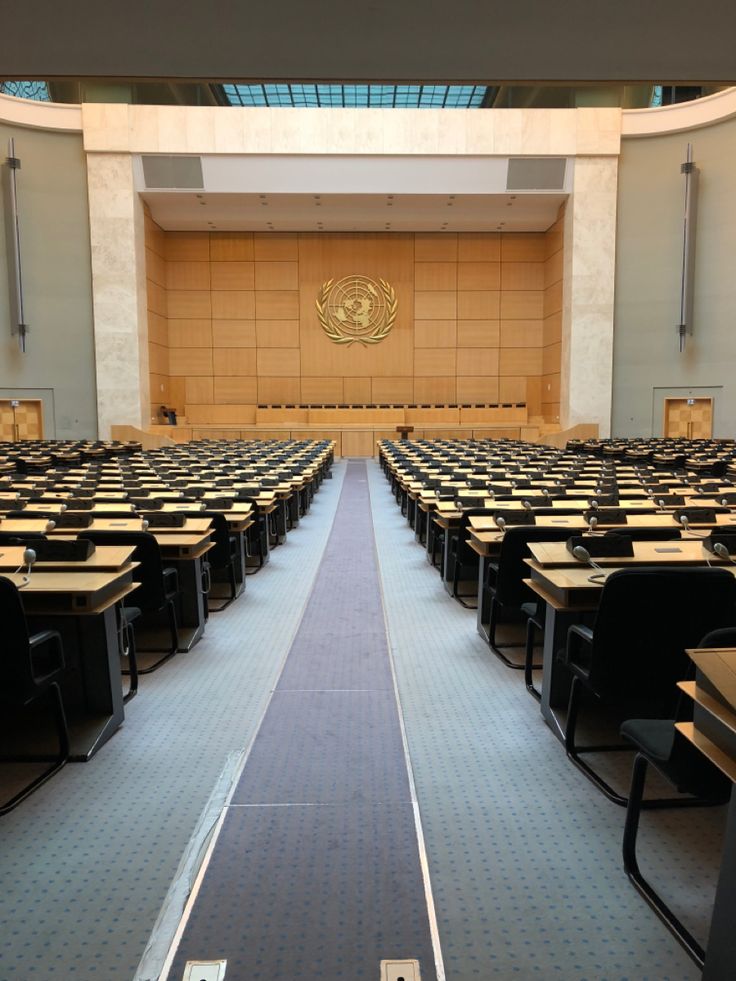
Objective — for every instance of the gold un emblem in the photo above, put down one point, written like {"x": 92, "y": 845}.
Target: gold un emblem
{"x": 356, "y": 308}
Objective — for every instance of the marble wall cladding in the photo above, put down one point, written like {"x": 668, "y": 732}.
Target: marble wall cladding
{"x": 204, "y": 129}
{"x": 119, "y": 292}
{"x": 588, "y": 294}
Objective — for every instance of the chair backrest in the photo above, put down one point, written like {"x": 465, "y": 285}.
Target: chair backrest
{"x": 512, "y": 569}
{"x": 646, "y": 619}
{"x": 219, "y": 555}
{"x": 16, "y": 672}
{"x": 149, "y": 573}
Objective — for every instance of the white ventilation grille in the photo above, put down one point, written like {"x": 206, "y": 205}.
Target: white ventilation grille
{"x": 172, "y": 172}
{"x": 536, "y": 174}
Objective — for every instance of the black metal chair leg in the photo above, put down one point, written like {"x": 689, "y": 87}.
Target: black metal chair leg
{"x": 132, "y": 670}
{"x": 631, "y": 866}
{"x": 529, "y": 665}
{"x": 493, "y": 643}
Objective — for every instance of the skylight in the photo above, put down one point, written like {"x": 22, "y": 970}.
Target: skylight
{"x": 354, "y": 96}
{"x": 26, "y": 90}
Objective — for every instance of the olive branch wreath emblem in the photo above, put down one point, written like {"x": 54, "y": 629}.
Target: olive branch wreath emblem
{"x": 379, "y": 331}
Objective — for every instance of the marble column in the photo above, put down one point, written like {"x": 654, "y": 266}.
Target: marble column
{"x": 586, "y": 370}
{"x": 118, "y": 292}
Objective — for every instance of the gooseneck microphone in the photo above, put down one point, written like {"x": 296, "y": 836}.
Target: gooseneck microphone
{"x": 592, "y": 523}
{"x": 29, "y": 557}
{"x": 583, "y": 555}
{"x": 722, "y": 552}
{"x": 500, "y": 522}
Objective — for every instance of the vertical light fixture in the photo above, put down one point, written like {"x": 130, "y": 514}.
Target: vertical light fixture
{"x": 18, "y": 323}
{"x": 687, "y": 274}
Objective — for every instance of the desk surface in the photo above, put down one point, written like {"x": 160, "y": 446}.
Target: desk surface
{"x": 682, "y": 552}
{"x": 105, "y": 558}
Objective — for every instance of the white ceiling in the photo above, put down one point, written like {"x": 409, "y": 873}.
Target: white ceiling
{"x": 207, "y": 211}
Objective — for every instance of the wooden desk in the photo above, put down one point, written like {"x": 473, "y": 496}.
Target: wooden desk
{"x": 571, "y": 596}
{"x": 683, "y": 552}
{"x": 106, "y": 558}
{"x": 82, "y": 607}
{"x": 186, "y": 552}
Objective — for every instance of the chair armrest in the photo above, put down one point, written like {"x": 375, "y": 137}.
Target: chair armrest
{"x": 171, "y": 580}
{"x": 578, "y": 638}
{"x": 53, "y": 639}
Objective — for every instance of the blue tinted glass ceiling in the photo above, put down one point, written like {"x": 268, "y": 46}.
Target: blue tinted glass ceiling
{"x": 352, "y": 96}
{"x": 26, "y": 90}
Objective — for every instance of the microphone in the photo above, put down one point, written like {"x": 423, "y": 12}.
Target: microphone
{"x": 594, "y": 503}
{"x": 50, "y": 525}
{"x": 722, "y": 552}
{"x": 592, "y": 522}
{"x": 63, "y": 507}
{"x": 144, "y": 523}
{"x": 500, "y": 522}
{"x": 545, "y": 493}
{"x": 29, "y": 557}
{"x": 583, "y": 555}
{"x": 686, "y": 525}
{"x": 527, "y": 505}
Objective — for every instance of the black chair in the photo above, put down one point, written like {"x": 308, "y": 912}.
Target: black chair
{"x": 658, "y": 742}
{"x": 464, "y": 558}
{"x": 510, "y": 598}
{"x": 29, "y": 671}
{"x": 633, "y": 657}
{"x": 157, "y": 593}
{"x": 223, "y": 554}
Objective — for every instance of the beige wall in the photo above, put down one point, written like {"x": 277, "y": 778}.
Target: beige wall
{"x": 647, "y": 363}
{"x": 233, "y": 316}
{"x": 59, "y": 365}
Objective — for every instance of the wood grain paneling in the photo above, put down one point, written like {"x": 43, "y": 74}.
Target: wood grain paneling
{"x": 478, "y": 305}
{"x": 233, "y": 305}
{"x": 522, "y": 275}
{"x": 232, "y": 318}
{"x": 322, "y": 390}
{"x": 477, "y": 333}
{"x": 235, "y": 389}
{"x": 190, "y": 333}
{"x": 277, "y": 305}
{"x": 478, "y": 390}
{"x": 234, "y": 361}
{"x": 357, "y": 442}
{"x": 232, "y": 275}
{"x": 435, "y": 333}
{"x": 277, "y": 333}
{"x": 521, "y": 333}
{"x": 187, "y": 275}
{"x": 392, "y": 391}
{"x": 435, "y": 248}
{"x": 512, "y": 389}
{"x": 435, "y": 391}
{"x": 479, "y": 275}
{"x": 187, "y": 246}
{"x": 520, "y": 361}
{"x": 277, "y": 275}
{"x": 437, "y": 305}
{"x": 278, "y": 247}
{"x": 477, "y": 361}
{"x": 435, "y": 276}
{"x": 199, "y": 390}
{"x": 356, "y": 390}
{"x": 189, "y": 304}
{"x": 522, "y": 305}
{"x": 434, "y": 361}
{"x": 277, "y": 391}
{"x": 231, "y": 246}
{"x": 190, "y": 361}
{"x": 278, "y": 361}
{"x": 479, "y": 247}
{"x": 234, "y": 333}
{"x": 523, "y": 247}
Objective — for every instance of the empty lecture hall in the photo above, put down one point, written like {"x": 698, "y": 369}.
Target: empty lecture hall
{"x": 368, "y": 491}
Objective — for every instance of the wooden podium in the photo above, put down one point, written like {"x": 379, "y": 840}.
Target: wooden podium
{"x": 404, "y": 431}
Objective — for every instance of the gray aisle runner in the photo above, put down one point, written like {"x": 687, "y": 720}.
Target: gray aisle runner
{"x": 316, "y": 873}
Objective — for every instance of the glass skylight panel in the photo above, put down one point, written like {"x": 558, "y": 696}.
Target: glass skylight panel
{"x": 39, "y": 91}
{"x": 354, "y": 96}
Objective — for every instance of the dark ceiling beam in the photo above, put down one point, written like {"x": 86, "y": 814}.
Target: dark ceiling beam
{"x": 483, "y": 41}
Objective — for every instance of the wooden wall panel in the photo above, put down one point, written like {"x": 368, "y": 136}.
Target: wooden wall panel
{"x": 232, "y": 319}
{"x": 356, "y": 390}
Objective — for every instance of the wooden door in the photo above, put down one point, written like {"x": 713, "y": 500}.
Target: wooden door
{"x": 689, "y": 418}
{"x": 20, "y": 419}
